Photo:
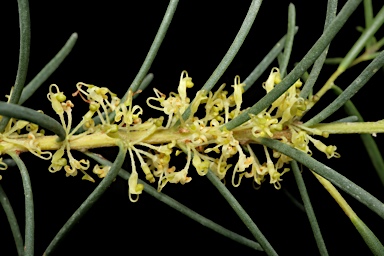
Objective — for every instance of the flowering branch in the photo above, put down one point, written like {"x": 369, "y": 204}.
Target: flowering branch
{"x": 204, "y": 139}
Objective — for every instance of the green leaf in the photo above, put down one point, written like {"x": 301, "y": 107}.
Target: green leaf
{"x": 300, "y": 68}
{"x": 181, "y": 208}
{"x": 351, "y": 127}
{"x": 27, "y": 114}
{"x": 315, "y": 71}
{"x": 25, "y": 43}
{"x": 362, "y": 41}
{"x": 29, "y": 207}
{"x": 308, "y": 209}
{"x": 90, "y": 201}
{"x": 289, "y": 41}
{"x": 368, "y": 13}
{"x": 12, "y": 222}
{"x": 351, "y": 90}
{"x": 265, "y": 62}
{"x": 337, "y": 179}
{"x": 368, "y": 236}
{"x": 369, "y": 143}
{"x": 40, "y": 78}
{"x": 243, "y": 215}
{"x": 154, "y": 47}
{"x": 231, "y": 53}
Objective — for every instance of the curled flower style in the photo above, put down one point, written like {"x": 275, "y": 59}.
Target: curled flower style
{"x": 237, "y": 95}
{"x": 175, "y": 104}
{"x": 134, "y": 187}
{"x": 12, "y": 134}
{"x": 330, "y": 150}
{"x": 128, "y": 116}
{"x": 99, "y": 96}
{"x": 101, "y": 171}
{"x": 58, "y": 162}
{"x": 3, "y": 166}
{"x": 242, "y": 163}
{"x": 173, "y": 176}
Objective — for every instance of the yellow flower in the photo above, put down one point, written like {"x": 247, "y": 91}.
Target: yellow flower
{"x": 185, "y": 82}
{"x": 300, "y": 140}
{"x": 56, "y": 99}
{"x": 273, "y": 78}
{"x": 130, "y": 115}
{"x": 330, "y": 150}
{"x": 201, "y": 165}
{"x": 101, "y": 171}
{"x": 274, "y": 175}
{"x": 237, "y": 94}
{"x": 57, "y": 161}
{"x": 134, "y": 187}
{"x": 242, "y": 163}
{"x": 177, "y": 177}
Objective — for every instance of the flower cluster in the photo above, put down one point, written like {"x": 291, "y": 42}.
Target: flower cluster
{"x": 101, "y": 100}
{"x": 175, "y": 105}
{"x": 209, "y": 147}
{"x": 17, "y": 129}
{"x": 201, "y": 135}
{"x": 61, "y": 105}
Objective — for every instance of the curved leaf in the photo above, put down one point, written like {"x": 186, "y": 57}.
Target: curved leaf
{"x": 300, "y": 68}
{"x": 27, "y": 114}
{"x": 29, "y": 207}
{"x": 91, "y": 199}
{"x": 337, "y": 179}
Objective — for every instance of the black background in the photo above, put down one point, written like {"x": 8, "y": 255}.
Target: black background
{"x": 114, "y": 38}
